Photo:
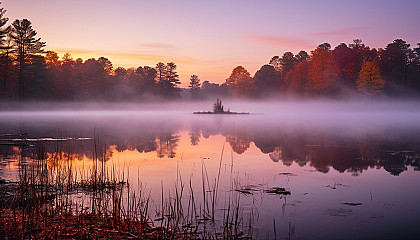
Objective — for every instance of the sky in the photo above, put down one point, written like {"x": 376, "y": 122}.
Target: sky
{"x": 210, "y": 38}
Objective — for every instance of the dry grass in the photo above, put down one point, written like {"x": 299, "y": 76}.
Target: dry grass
{"x": 41, "y": 205}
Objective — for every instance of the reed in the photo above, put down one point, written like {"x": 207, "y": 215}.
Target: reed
{"x": 55, "y": 199}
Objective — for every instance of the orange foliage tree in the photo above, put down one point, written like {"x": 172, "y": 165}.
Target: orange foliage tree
{"x": 322, "y": 73}
{"x": 297, "y": 79}
{"x": 370, "y": 81}
{"x": 240, "y": 82}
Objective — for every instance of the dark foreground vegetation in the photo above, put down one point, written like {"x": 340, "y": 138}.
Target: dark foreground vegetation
{"x": 40, "y": 204}
{"x": 53, "y": 199}
{"x": 29, "y": 72}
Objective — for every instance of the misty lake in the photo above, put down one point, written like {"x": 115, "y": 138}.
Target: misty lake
{"x": 352, "y": 169}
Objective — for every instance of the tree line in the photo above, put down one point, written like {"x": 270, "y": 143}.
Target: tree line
{"x": 347, "y": 70}
{"x": 28, "y": 72}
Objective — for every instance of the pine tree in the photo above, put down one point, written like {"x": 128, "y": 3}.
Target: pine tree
{"x": 5, "y": 50}
{"x": 25, "y": 45}
{"x": 172, "y": 78}
{"x": 194, "y": 86}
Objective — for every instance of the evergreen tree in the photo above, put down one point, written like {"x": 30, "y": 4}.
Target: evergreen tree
{"x": 194, "y": 86}
{"x": 5, "y": 50}
{"x": 160, "y": 77}
{"x": 25, "y": 44}
{"x": 172, "y": 78}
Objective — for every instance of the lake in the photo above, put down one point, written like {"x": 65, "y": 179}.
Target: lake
{"x": 351, "y": 168}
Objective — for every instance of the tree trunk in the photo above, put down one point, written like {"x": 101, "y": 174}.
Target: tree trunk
{"x": 21, "y": 66}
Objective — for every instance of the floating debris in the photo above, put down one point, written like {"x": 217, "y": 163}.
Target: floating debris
{"x": 352, "y": 203}
{"x": 278, "y": 190}
{"x": 248, "y": 190}
{"x": 288, "y": 174}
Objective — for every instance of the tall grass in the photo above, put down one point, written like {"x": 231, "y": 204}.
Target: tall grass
{"x": 52, "y": 192}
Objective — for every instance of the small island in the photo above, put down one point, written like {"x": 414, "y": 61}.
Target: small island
{"x": 219, "y": 109}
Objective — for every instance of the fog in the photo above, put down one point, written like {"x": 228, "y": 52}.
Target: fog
{"x": 348, "y": 115}
{"x": 340, "y": 139}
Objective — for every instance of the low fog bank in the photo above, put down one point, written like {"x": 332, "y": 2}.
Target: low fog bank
{"x": 251, "y": 106}
{"x": 179, "y": 115}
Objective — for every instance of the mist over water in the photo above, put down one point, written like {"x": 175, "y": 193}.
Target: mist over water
{"x": 342, "y": 116}
{"x": 325, "y": 152}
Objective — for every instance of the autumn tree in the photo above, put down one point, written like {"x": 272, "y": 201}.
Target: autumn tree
{"x": 194, "y": 86}
{"x": 361, "y": 53}
{"x": 297, "y": 79}
{"x": 240, "y": 82}
{"x": 370, "y": 81}
{"x": 25, "y": 45}
{"x": 322, "y": 72}
{"x": 347, "y": 69}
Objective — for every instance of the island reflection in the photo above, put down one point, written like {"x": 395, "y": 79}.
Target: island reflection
{"x": 322, "y": 149}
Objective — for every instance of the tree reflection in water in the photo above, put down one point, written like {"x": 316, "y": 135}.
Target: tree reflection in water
{"x": 167, "y": 144}
{"x": 320, "y": 149}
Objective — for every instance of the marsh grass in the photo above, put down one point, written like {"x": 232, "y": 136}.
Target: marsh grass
{"x": 54, "y": 199}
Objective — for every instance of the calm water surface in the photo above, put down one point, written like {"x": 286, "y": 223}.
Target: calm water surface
{"x": 352, "y": 170}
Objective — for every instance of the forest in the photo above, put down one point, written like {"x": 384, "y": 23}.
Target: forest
{"x": 29, "y": 72}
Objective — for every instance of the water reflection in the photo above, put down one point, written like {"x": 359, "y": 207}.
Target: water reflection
{"x": 316, "y": 160}
{"x": 322, "y": 149}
